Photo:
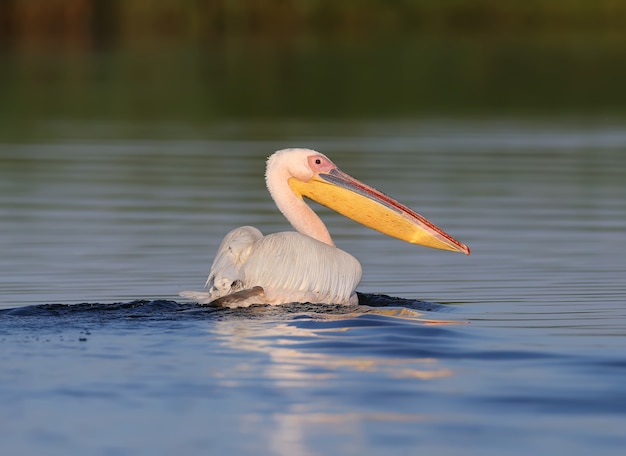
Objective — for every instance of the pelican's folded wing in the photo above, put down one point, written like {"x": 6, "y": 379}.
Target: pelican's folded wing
{"x": 226, "y": 275}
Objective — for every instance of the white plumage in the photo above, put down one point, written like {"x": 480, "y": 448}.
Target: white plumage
{"x": 287, "y": 266}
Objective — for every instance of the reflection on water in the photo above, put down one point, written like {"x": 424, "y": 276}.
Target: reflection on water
{"x": 290, "y": 366}
{"x": 294, "y": 362}
{"x": 289, "y": 431}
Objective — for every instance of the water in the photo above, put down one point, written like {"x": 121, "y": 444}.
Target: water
{"x": 518, "y": 348}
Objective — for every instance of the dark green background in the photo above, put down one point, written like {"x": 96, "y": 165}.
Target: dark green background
{"x": 135, "y": 66}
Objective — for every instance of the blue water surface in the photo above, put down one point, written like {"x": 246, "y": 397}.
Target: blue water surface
{"x": 519, "y": 348}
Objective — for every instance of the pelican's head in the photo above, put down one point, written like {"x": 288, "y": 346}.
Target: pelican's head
{"x": 315, "y": 176}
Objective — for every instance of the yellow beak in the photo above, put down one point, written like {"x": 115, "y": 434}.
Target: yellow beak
{"x": 366, "y": 205}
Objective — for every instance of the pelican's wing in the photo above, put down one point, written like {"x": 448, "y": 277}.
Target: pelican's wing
{"x": 292, "y": 267}
{"x": 226, "y": 275}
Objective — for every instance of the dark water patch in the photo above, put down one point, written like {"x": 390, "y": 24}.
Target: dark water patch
{"x": 421, "y": 342}
{"x": 608, "y": 403}
{"x": 143, "y": 308}
{"x": 125, "y": 309}
{"x": 61, "y": 323}
{"x": 619, "y": 364}
{"x": 381, "y": 300}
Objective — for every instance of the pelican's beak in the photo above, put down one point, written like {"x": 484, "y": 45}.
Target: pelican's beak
{"x": 366, "y": 205}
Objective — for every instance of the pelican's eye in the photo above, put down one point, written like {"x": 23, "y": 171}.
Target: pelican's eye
{"x": 320, "y": 164}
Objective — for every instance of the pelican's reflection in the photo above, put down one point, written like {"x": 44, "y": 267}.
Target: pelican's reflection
{"x": 298, "y": 355}
{"x": 298, "y": 431}
{"x": 307, "y": 358}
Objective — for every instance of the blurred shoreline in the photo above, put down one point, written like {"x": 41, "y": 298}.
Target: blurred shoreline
{"x": 199, "y": 63}
{"x": 94, "y": 25}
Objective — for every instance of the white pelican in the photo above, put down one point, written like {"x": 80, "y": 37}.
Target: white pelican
{"x": 305, "y": 266}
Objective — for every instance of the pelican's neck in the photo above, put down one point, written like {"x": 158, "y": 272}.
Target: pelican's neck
{"x": 292, "y": 206}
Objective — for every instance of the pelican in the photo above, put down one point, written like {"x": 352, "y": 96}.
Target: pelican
{"x": 304, "y": 265}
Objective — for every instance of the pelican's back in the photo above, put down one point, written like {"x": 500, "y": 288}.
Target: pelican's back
{"x": 292, "y": 267}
